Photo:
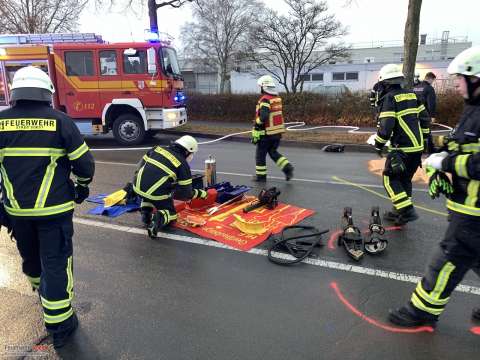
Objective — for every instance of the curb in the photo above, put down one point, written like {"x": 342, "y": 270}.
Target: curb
{"x": 287, "y": 143}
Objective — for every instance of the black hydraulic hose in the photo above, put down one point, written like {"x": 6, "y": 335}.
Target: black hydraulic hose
{"x": 299, "y": 250}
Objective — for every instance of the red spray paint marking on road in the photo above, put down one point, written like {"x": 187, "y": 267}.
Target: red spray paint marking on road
{"x": 475, "y": 330}
{"x": 373, "y": 322}
{"x": 333, "y": 238}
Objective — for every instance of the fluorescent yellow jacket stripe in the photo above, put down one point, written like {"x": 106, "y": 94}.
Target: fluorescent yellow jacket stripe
{"x": 82, "y": 149}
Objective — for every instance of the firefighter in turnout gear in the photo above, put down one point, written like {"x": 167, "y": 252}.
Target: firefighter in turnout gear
{"x": 459, "y": 251}
{"x": 426, "y": 94}
{"x": 40, "y": 148}
{"x": 267, "y": 130}
{"x": 404, "y": 122}
{"x": 162, "y": 175}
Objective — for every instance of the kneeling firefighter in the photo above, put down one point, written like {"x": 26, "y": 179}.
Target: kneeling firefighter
{"x": 39, "y": 148}
{"x": 459, "y": 251}
{"x": 404, "y": 121}
{"x": 267, "y": 131}
{"x": 162, "y": 175}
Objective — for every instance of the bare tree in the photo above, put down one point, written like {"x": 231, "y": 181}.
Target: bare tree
{"x": 410, "y": 41}
{"x": 153, "y": 6}
{"x": 39, "y": 16}
{"x": 220, "y": 32}
{"x": 290, "y": 46}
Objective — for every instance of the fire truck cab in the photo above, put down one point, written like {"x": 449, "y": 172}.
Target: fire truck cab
{"x": 131, "y": 89}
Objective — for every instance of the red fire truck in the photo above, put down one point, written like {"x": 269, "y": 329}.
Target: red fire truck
{"x": 131, "y": 89}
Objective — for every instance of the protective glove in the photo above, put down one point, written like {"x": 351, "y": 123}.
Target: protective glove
{"x": 257, "y": 135}
{"x": 396, "y": 163}
{"x": 433, "y": 120}
{"x": 81, "y": 193}
{"x": 435, "y": 160}
{"x": 371, "y": 141}
{"x": 438, "y": 183}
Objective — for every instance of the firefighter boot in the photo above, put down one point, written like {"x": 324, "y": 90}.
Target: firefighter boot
{"x": 391, "y": 215}
{"x": 405, "y": 318}
{"x": 65, "y": 331}
{"x": 153, "y": 225}
{"x": 406, "y": 215}
{"x": 288, "y": 171}
{"x": 476, "y": 314}
{"x": 259, "y": 178}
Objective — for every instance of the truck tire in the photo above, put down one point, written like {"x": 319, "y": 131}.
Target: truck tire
{"x": 128, "y": 129}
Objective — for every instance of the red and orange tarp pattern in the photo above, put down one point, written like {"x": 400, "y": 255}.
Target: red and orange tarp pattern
{"x": 219, "y": 226}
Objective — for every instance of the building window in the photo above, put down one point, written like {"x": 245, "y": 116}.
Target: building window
{"x": 108, "y": 62}
{"x": 135, "y": 64}
{"x": 317, "y": 77}
{"x": 343, "y": 76}
{"x": 79, "y": 63}
{"x": 352, "y": 76}
{"x": 338, "y": 76}
{"x": 304, "y": 77}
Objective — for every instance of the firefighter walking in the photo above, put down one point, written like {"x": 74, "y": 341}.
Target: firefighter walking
{"x": 459, "y": 251}
{"x": 267, "y": 131}
{"x": 404, "y": 122}
{"x": 40, "y": 147}
{"x": 162, "y": 175}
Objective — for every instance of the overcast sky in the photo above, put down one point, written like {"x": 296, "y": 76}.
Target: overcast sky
{"x": 367, "y": 20}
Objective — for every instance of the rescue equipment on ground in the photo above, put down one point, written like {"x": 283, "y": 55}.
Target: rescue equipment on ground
{"x": 334, "y": 148}
{"x": 249, "y": 227}
{"x": 227, "y": 191}
{"x": 215, "y": 209}
{"x": 192, "y": 220}
{"x": 375, "y": 243}
{"x": 299, "y": 246}
{"x": 117, "y": 197}
{"x": 267, "y": 198}
{"x": 211, "y": 171}
{"x": 351, "y": 238}
{"x": 199, "y": 203}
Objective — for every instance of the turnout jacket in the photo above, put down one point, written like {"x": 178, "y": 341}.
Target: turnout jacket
{"x": 463, "y": 163}
{"x": 403, "y": 120}
{"x": 269, "y": 115}
{"x": 162, "y": 171}
{"x": 39, "y": 149}
{"x": 426, "y": 94}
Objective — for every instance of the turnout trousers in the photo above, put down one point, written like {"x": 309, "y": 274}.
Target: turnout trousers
{"x": 269, "y": 145}
{"x": 165, "y": 208}
{"x": 45, "y": 246}
{"x": 399, "y": 187}
{"x": 459, "y": 252}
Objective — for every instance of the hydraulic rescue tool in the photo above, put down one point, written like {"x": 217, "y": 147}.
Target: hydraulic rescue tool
{"x": 299, "y": 247}
{"x": 267, "y": 198}
{"x": 351, "y": 238}
{"x": 376, "y": 243}
{"x": 215, "y": 209}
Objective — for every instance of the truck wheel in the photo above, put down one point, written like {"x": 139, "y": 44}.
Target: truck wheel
{"x": 128, "y": 129}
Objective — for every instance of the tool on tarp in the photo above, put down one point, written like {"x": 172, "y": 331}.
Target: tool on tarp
{"x": 215, "y": 209}
{"x": 267, "y": 198}
{"x": 299, "y": 247}
{"x": 252, "y": 227}
{"x": 376, "y": 243}
{"x": 351, "y": 238}
{"x": 211, "y": 170}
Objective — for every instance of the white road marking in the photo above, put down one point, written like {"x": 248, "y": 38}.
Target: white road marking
{"x": 333, "y": 265}
{"x": 330, "y": 182}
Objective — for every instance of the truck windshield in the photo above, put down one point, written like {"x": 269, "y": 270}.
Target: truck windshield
{"x": 170, "y": 63}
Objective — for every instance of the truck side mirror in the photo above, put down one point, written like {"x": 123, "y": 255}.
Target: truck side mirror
{"x": 151, "y": 61}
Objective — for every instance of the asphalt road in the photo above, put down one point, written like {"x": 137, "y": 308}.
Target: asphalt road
{"x": 174, "y": 298}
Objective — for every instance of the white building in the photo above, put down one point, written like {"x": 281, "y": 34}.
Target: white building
{"x": 359, "y": 73}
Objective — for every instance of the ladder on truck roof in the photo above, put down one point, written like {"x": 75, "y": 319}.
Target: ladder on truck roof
{"x": 21, "y": 39}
